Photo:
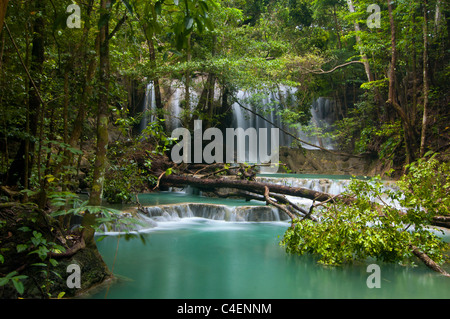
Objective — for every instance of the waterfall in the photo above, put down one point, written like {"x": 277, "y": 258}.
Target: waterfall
{"x": 174, "y": 108}
{"x": 323, "y": 116}
{"x": 173, "y": 97}
{"x": 148, "y": 107}
{"x": 176, "y": 212}
{"x": 269, "y": 105}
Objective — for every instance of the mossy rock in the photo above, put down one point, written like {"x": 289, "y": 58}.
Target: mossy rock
{"x": 44, "y": 279}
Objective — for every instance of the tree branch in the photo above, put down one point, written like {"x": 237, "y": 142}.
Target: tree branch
{"x": 280, "y": 207}
{"x": 118, "y": 25}
{"x": 320, "y": 71}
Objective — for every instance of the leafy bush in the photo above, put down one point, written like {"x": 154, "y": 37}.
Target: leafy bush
{"x": 379, "y": 222}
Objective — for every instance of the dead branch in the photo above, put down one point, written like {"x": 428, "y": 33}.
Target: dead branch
{"x": 320, "y": 71}
{"x": 159, "y": 179}
{"x": 280, "y": 207}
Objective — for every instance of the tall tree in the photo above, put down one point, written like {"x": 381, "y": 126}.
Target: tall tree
{"x": 358, "y": 40}
{"x": 408, "y": 130}
{"x": 21, "y": 166}
{"x": 95, "y": 198}
{"x": 3, "y": 7}
{"x": 426, "y": 85}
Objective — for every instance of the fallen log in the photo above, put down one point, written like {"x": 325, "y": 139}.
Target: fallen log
{"x": 251, "y": 186}
{"x": 442, "y": 221}
{"x": 428, "y": 261}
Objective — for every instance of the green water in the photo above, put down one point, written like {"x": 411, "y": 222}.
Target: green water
{"x": 198, "y": 258}
{"x": 165, "y": 198}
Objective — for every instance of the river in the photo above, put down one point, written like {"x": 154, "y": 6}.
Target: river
{"x": 192, "y": 255}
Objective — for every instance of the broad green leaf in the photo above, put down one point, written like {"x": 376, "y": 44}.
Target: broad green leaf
{"x": 3, "y": 281}
{"x": 21, "y": 247}
{"x": 19, "y": 286}
{"x": 188, "y": 23}
{"x": 54, "y": 262}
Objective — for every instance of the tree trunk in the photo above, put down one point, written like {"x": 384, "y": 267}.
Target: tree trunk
{"x": 20, "y": 168}
{"x": 3, "y": 7}
{"x": 365, "y": 60}
{"x": 211, "y": 91}
{"x": 152, "y": 53}
{"x": 95, "y": 198}
{"x": 187, "y": 94}
{"x": 428, "y": 261}
{"x": 77, "y": 128}
{"x": 426, "y": 85}
{"x": 392, "y": 97}
{"x": 338, "y": 27}
{"x": 415, "y": 78}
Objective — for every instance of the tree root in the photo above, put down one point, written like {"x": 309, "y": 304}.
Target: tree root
{"x": 69, "y": 252}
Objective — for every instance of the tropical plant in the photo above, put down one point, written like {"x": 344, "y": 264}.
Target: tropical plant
{"x": 379, "y": 221}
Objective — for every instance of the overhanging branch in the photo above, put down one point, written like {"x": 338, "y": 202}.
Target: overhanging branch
{"x": 320, "y": 71}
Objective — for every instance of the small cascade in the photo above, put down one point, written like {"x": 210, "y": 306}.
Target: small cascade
{"x": 154, "y": 216}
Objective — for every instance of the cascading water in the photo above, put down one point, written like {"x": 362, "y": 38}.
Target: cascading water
{"x": 161, "y": 216}
{"x": 322, "y": 117}
{"x": 176, "y": 212}
{"x": 268, "y": 105}
{"x": 173, "y": 96}
{"x": 148, "y": 107}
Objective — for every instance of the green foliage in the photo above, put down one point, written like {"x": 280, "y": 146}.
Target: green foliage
{"x": 155, "y": 133}
{"x": 426, "y": 187}
{"x": 379, "y": 222}
{"x": 129, "y": 167}
{"x": 15, "y": 279}
{"x": 32, "y": 241}
{"x": 107, "y": 218}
